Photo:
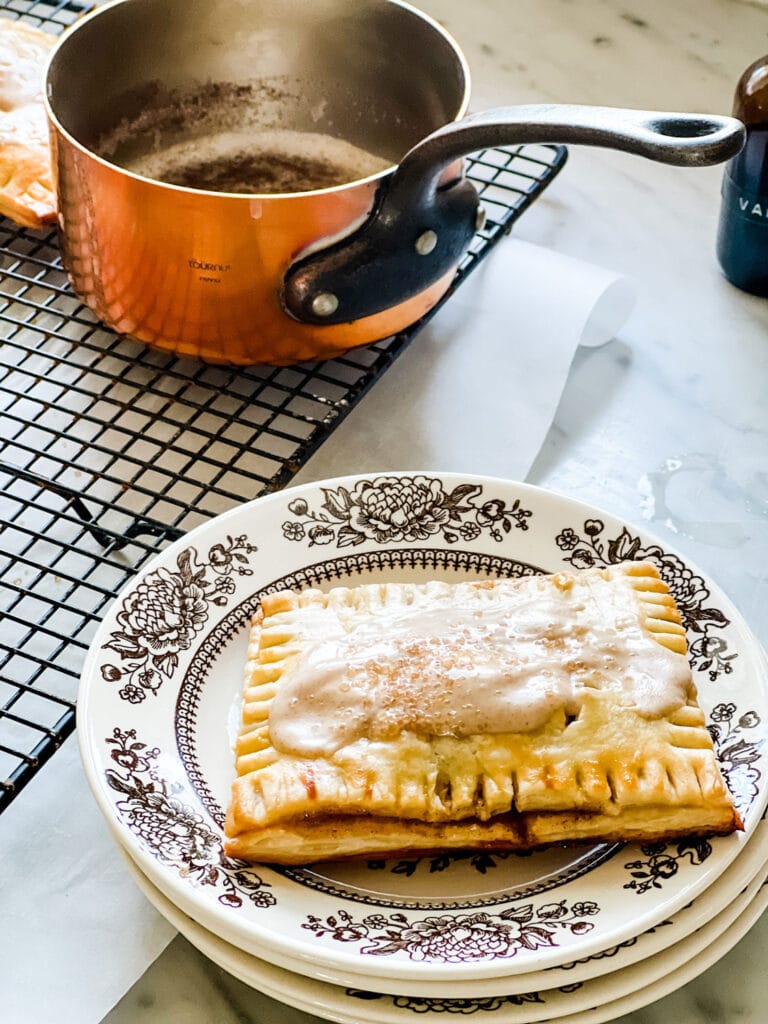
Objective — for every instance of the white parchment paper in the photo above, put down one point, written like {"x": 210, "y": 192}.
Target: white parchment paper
{"x": 475, "y": 392}
{"x": 477, "y": 389}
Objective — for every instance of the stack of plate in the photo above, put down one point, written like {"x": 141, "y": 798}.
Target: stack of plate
{"x": 578, "y": 935}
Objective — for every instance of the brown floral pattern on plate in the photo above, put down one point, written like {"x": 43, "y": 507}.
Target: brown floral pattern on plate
{"x": 449, "y": 938}
{"x": 172, "y": 830}
{"x": 165, "y": 613}
{"x": 462, "y": 1007}
{"x": 402, "y": 509}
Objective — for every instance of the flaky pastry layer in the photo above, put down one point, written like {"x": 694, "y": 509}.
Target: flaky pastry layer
{"x": 598, "y": 767}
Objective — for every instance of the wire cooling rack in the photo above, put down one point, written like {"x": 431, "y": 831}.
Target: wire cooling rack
{"x": 110, "y": 450}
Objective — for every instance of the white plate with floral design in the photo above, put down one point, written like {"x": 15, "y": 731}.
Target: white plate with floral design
{"x": 159, "y": 697}
{"x": 572, "y": 1003}
{"x": 713, "y": 902}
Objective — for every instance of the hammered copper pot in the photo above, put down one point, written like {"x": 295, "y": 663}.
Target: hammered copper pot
{"x": 281, "y": 278}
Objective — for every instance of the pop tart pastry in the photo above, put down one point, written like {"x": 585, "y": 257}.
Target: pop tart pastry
{"x": 27, "y": 193}
{"x": 405, "y": 719}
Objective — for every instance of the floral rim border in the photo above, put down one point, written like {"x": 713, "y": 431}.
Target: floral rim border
{"x": 427, "y": 509}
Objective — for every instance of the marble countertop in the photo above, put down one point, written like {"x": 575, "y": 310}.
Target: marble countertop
{"x": 667, "y": 425}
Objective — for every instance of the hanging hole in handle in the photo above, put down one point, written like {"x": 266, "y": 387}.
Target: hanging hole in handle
{"x": 684, "y": 127}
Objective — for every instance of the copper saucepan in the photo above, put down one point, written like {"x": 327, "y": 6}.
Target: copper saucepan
{"x": 204, "y": 93}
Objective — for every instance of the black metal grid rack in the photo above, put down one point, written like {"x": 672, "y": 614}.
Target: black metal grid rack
{"x": 109, "y": 450}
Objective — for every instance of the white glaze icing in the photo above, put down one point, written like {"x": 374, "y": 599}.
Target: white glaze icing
{"x": 469, "y": 666}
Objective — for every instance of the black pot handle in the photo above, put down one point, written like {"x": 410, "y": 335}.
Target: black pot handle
{"x": 419, "y": 229}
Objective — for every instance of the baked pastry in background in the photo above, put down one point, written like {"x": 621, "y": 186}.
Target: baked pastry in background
{"x": 400, "y": 718}
{"x": 27, "y": 192}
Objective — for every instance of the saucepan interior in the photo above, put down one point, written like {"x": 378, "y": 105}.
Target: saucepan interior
{"x": 175, "y": 89}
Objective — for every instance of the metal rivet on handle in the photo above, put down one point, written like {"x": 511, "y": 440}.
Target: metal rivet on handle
{"x": 324, "y": 304}
{"x": 426, "y": 242}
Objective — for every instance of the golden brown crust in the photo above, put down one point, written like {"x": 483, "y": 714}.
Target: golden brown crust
{"x": 27, "y": 192}
{"x": 345, "y": 837}
{"x": 606, "y": 773}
